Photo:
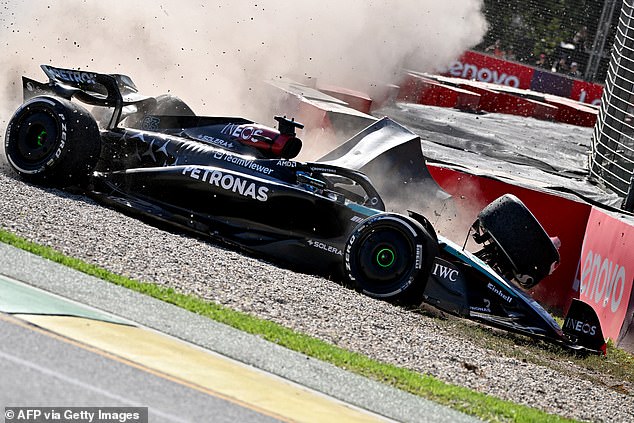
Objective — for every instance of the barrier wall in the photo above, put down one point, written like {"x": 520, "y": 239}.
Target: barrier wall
{"x": 606, "y": 270}
{"x": 445, "y": 91}
{"x": 481, "y": 67}
{"x": 419, "y": 89}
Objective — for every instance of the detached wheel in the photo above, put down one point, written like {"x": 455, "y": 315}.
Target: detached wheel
{"x": 52, "y": 141}
{"x": 521, "y": 239}
{"x": 389, "y": 256}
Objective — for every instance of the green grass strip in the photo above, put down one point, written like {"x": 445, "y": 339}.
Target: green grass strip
{"x": 463, "y": 399}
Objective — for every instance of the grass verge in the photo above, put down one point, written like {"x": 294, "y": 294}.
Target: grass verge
{"x": 463, "y": 399}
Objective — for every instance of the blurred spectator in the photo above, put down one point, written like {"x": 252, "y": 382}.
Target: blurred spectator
{"x": 510, "y": 54}
{"x": 496, "y": 49}
{"x": 574, "y": 71}
{"x": 541, "y": 62}
{"x": 580, "y": 39}
{"x": 561, "y": 66}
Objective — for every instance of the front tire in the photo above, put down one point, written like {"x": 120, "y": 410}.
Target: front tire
{"x": 520, "y": 237}
{"x": 389, "y": 256}
{"x": 51, "y": 141}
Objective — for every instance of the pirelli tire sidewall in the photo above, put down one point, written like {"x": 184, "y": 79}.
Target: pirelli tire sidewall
{"x": 52, "y": 141}
{"x": 389, "y": 256}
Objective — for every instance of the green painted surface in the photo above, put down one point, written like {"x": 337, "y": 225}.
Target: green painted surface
{"x": 19, "y": 298}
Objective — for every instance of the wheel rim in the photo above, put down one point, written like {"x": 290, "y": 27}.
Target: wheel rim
{"x": 385, "y": 257}
{"x": 37, "y": 139}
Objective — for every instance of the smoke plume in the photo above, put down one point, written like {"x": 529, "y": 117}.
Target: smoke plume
{"x": 216, "y": 54}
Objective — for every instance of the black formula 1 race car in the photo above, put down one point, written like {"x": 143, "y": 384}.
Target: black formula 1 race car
{"x": 233, "y": 180}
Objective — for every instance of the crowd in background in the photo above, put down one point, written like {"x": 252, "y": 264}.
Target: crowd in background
{"x": 563, "y": 59}
{"x": 564, "y": 31}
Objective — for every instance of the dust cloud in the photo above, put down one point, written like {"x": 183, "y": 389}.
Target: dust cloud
{"x": 216, "y": 54}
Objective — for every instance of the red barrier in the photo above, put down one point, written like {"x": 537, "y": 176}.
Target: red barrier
{"x": 502, "y": 99}
{"x": 559, "y": 216}
{"x": 586, "y": 92}
{"x": 421, "y": 90}
{"x": 355, "y": 99}
{"x": 482, "y": 67}
{"x": 572, "y": 112}
{"x": 606, "y": 269}
{"x": 500, "y": 102}
{"x": 472, "y": 65}
{"x": 517, "y": 102}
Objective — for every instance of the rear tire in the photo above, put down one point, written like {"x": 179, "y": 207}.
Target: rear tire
{"x": 51, "y": 141}
{"x": 389, "y": 256}
{"x": 521, "y": 238}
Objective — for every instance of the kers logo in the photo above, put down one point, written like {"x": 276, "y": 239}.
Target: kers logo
{"x": 445, "y": 272}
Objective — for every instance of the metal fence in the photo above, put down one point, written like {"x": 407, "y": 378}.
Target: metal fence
{"x": 612, "y": 155}
{"x": 553, "y": 34}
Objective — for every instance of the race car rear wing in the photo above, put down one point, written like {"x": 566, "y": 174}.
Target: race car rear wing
{"x": 95, "y": 89}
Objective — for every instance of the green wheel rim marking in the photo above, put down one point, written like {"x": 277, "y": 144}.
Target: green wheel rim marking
{"x": 382, "y": 254}
{"x": 41, "y": 137}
